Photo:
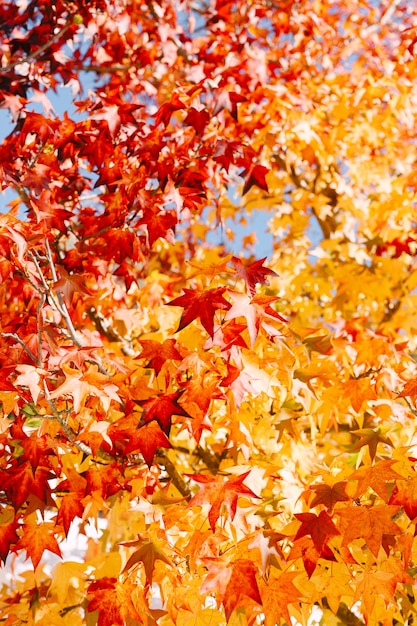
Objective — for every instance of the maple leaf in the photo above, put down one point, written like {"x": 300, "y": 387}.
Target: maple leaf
{"x": 158, "y": 353}
{"x": 369, "y": 523}
{"x": 257, "y": 311}
{"x": 8, "y": 534}
{"x": 228, "y": 100}
{"x": 164, "y": 113}
{"x": 112, "y": 600}
{"x": 197, "y": 119}
{"x": 256, "y": 176}
{"x": 306, "y": 549}
{"x": 372, "y": 585}
{"x": 378, "y": 476}
{"x": 201, "y": 304}
{"x": 359, "y": 390}
{"x": 405, "y": 495}
{"x": 211, "y": 270}
{"x": 162, "y": 408}
{"x": 277, "y": 595}
{"x": 18, "y": 483}
{"x": 216, "y": 492}
{"x": 328, "y": 494}
{"x": 148, "y": 551}
{"x": 241, "y": 586}
{"x": 80, "y": 385}
{"x": 68, "y": 284}
{"x": 30, "y": 377}
{"x": 227, "y": 336}
{"x": 74, "y": 489}
{"x": 36, "y": 538}
{"x": 159, "y": 224}
{"x": 370, "y": 437}
{"x": 320, "y": 528}
{"x": 253, "y": 274}
{"x": 409, "y": 389}
{"x": 147, "y": 439}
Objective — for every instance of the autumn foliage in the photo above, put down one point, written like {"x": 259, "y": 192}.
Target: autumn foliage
{"x": 227, "y": 430}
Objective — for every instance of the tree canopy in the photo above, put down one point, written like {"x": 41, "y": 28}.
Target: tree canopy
{"x": 237, "y": 427}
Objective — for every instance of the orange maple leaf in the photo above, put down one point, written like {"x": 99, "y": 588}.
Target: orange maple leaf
{"x": 36, "y": 538}
{"x": 328, "y": 494}
{"x": 276, "y": 597}
{"x": 370, "y": 523}
{"x": 241, "y": 586}
{"x": 112, "y": 600}
{"x": 148, "y": 551}
{"x": 216, "y": 492}
{"x": 157, "y": 354}
{"x": 379, "y": 476}
{"x": 68, "y": 284}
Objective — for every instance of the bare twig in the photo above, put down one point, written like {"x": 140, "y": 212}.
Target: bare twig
{"x": 104, "y": 326}
{"x": 36, "y": 53}
{"x": 173, "y": 473}
{"x": 209, "y": 458}
{"x": 22, "y": 343}
{"x": 62, "y": 306}
{"x": 327, "y": 225}
{"x": 345, "y": 615}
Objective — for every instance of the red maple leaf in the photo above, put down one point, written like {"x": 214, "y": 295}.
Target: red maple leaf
{"x": 256, "y": 176}
{"x": 8, "y": 535}
{"x": 73, "y": 488}
{"x": 201, "y": 304}
{"x": 164, "y": 113}
{"x": 18, "y": 483}
{"x": 405, "y": 494}
{"x": 159, "y": 224}
{"x": 319, "y": 527}
{"x": 197, "y": 119}
{"x": 253, "y": 273}
{"x": 147, "y": 440}
{"x": 161, "y": 409}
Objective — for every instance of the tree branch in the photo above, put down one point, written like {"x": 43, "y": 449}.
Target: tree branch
{"x": 22, "y": 343}
{"x": 173, "y": 473}
{"x": 36, "y": 53}
{"x": 345, "y": 614}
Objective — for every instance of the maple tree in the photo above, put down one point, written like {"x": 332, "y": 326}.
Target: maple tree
{"x": 232, "y": 434}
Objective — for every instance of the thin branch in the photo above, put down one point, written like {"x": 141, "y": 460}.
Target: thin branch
{"x": 208, "y": 457}
{"x": 68, "y": 431}
{"x": 173, "y": 473}
{"x": 62, "y": 308}
{"x": 39, "y": 325}
{"x": 327, "y": 225}
{"x": 345, "y": 614}
{"x": 104, "y": 326}
{"x": 36, "y": 53}
{"x": 22, "y": 343}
